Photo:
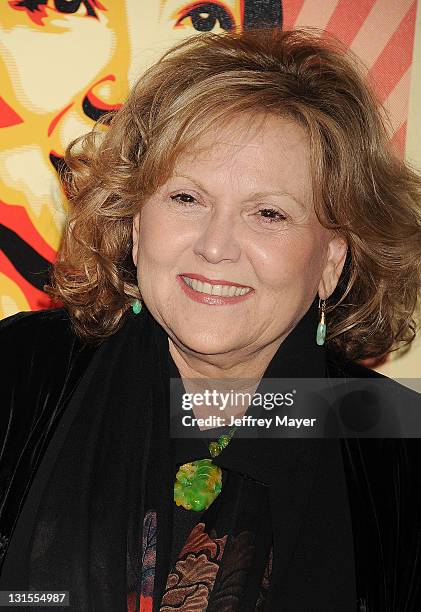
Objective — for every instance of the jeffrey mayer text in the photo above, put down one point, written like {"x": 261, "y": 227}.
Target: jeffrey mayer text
{"x": 284, "y": 421}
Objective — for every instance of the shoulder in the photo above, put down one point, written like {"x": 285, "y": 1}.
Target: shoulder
{"x": 41, "y": 354}
{"x": 379, "y": 395}
{"x": 41, "y": 351}
{"x": 338, "y": 367}
{"x": 43, "y": 360}
{"x": 33, "y": 325}
{"x": 39, "y": 335}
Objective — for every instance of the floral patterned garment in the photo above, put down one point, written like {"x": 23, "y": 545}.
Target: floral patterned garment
{"x": 193, "y": 577}
{"x": 148, "y": 565}
{"x": 226, "y": 560}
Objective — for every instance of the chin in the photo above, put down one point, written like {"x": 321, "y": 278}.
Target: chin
{"x": 206, "y": 343}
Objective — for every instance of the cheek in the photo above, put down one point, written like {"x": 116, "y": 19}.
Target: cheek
{"x": 288, "y": 262}
{"x": 160, "y": 240}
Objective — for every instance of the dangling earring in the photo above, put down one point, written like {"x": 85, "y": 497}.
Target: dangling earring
{"x": 137, "y": 306}
{"x": 321, "y": 328}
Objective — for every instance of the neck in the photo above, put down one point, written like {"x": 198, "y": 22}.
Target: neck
{"x": 295, "y": 355}
{"x": 234, "y": 367}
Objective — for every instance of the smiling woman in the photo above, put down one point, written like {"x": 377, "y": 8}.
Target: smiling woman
{"x": 243, "y": 218}
{"x": 211, "y": 124}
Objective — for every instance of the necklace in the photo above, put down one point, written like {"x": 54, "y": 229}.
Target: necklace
{"x": 198, "y": 483}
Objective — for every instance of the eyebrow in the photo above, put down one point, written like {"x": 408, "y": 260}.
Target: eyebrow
{"x": 253, "y": 196}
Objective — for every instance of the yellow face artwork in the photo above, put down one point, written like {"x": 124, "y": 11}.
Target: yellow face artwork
{"x": 63, "y": 63}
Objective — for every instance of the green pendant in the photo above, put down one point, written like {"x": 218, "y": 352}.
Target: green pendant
{"x": 197, "y": 484}
{"x": 321, "y": 334}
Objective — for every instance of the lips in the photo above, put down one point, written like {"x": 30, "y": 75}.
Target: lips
{"x": 218, "y": 281}
{"x": 213, "y": 292}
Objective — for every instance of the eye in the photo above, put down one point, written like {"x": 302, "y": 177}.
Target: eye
{"x": 271, "y": 215}
{"x": 36, "y": 10}
{"x": 185, "y": 196}
{"x": 205, "y": 15}
{"x": 72, "y": 6}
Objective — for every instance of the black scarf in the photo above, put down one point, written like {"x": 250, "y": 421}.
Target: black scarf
{"x": 111, "y": 459}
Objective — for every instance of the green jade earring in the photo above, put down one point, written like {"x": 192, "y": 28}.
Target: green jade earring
{"x": 321, "y": 328}
{"x": 198, "y": 483}
{"x": 137, "y": 306}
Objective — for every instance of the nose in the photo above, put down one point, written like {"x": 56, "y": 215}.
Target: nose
{"x": 104, "y": 96}
{"x": 218, "y": 241}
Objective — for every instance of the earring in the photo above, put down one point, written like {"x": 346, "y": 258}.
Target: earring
{"x": 137, "y": 306}
{"x": 321, "y": 328}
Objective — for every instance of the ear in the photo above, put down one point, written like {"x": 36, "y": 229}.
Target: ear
{"x": 135, "y": 237}
{"x": 336, "y": 255}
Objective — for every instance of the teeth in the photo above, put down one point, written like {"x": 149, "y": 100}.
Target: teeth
{"x": 222, "y": 290}
{"x": 217, "y": 289}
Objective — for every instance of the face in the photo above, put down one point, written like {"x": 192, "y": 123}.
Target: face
{"x": 237, "y": 212}
{"x": 64, "y": 63}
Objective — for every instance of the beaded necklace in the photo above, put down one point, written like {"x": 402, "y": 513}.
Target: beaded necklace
{"x": 198, "y": 483}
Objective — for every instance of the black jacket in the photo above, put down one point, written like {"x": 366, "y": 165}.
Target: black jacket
{"x": 43, "y": 362}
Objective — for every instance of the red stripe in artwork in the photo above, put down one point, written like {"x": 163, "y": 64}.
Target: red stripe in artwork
{"x": 17, "y": 219}
{"x": 242, "y": 13}
{"x": 100, "y": 103}
{"x": 291, "y": 10}
{"x": 57, "y": 119}
{"x": 346, "y": 20}
{"x": 396, "y": 57}
{"x": 8, "y": 116}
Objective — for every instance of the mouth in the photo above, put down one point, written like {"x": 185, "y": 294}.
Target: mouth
{"x": 213, "y": 291}
{"x": 219, "y": 287}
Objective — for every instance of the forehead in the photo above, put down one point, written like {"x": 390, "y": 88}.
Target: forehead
{"x": 266, "y": 149}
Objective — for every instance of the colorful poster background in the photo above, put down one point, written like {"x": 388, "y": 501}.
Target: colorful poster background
{"x": 63, "y": 63}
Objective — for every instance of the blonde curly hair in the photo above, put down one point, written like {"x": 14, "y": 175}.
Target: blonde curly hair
{"x": 361, "y": 189}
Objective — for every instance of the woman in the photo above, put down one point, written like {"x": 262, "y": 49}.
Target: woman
{"x": 248, "y": 178}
